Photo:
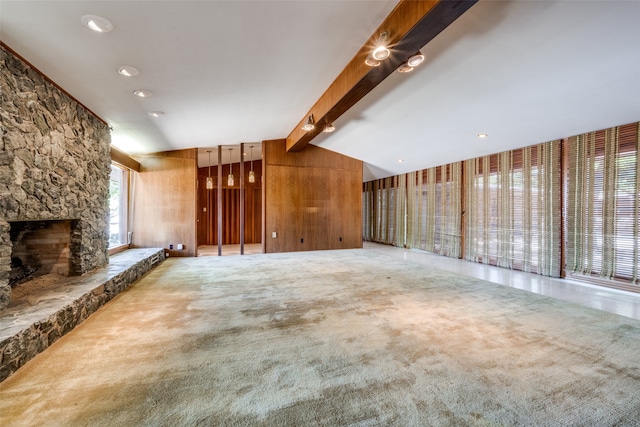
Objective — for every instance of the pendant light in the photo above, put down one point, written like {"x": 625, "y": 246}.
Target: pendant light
{"x": 252, "y": 175}
{"x": 230, "y": 180}
{"x": 209, "y": 179}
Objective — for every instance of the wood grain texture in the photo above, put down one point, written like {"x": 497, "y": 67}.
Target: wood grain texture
{"x": 208, "y": 207}
{"x": 312, "y": 199}
{"x": 410, "y": 26}
{"x": 124, "y": 159}
{"x": 164, "y": 202}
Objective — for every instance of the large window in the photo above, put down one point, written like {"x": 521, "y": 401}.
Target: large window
{"x": 513, "y": 209}
{"x": 569, "y": 207}
{"x": 603, "y": 205}
{"x": 118, "y": 206}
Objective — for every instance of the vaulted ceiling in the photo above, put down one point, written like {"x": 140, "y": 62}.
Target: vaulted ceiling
{"x": 226, "y": 72}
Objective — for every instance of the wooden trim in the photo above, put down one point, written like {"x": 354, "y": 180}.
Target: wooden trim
{"x": 463, "y": 210}
{"x": 564, "y": 184}
{"x": 263, "y": 178}
{"x": 122, "y": 158}
{"x": 410, "y": 26}
{"x": 195, "y": 201}
{"x": 219, "y": 200}
{"x": 44, "y": 76}
{"x": 242, "y": 189}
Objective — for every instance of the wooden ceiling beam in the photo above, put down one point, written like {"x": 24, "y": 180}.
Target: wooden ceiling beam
{"x": 410, "y": 26}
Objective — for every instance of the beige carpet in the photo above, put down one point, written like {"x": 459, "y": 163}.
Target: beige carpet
{"x": 336, "y": 338}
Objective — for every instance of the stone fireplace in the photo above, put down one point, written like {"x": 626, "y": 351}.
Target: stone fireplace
{"x": 54, "y": 175}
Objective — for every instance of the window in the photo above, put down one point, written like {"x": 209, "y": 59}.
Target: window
{"x": 513, "y": 209}
{"x": 437, "y": 210}
{"x": 118, "y": 205}
{"x": 603, "y": 205}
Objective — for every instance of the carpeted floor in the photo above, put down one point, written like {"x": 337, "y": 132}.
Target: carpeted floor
{"x": 335, "y": 338}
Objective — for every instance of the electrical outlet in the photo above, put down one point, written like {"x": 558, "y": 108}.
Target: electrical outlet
{"x": 341, "y": 239}
{"x": 170, "y": 246}
{"x": 274, "y": 234}
{"x": 180, "y": 246}
{"x": 301, "y": 240}
{"x": 166, "y": 254}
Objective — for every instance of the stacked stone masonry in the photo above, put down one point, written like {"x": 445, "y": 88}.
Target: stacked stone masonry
{"x": 54, "y": 164}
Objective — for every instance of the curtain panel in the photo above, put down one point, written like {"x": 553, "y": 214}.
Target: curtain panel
{"x": 513, "y": 209}
{"x": 434, "y": 210}
{"x": 603, "y": 207}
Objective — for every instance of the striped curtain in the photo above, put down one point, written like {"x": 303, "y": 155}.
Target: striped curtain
{"x": 436, "y": 210}
{"x": 513, "y": 209}
{"x": 384, "y": 210}
{"x": 603, "y": 204}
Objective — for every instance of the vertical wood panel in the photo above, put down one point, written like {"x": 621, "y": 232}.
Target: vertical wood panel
{"x": 164, "y": 202}
{"x": 207, "y": 220}
{"x": 313, "y": 198}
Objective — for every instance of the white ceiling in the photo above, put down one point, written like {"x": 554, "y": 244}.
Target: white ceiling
{"x": 227, "y": 72}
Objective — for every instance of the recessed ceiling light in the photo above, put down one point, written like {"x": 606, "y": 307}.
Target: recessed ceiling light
{"x": 142, "y": 93}
{"x": 405, "y": 68}
{"x": 400, "y": 160}
{"x": 156, "y": 113}
{"x": 128, "y": 71}
{"x": 482, "y": 135}
{"x": 96, "y": 23}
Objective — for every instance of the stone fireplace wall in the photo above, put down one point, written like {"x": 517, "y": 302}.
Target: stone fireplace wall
{"x": 54, "y": 164}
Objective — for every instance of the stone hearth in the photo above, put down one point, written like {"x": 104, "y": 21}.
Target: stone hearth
{"x": 33, "y": 322}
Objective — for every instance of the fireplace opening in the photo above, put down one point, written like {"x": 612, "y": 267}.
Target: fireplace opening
{"x": 39, "y": 248}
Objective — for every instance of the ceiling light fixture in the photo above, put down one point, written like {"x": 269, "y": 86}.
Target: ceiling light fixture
{"x": 128, "y": 71}
{"x": 415, "y": 60}
{"x": 329, "y": 128}
{"x": 412, "y": 62}
{"x": 482, "y": 135}
{"x": 310, "y": 125}
{"x": 96, "y": 23}
{"x": 400, "y": 160}
{"x": 381, "y": 51}
{"x": 252, "y": 175}
{"x": 142, "y": 93}
{"x": 209, "y": 179}
{"x": 230, "y": 180}
{"x": 371, "y": 62}
{"x": 156, "y": 113}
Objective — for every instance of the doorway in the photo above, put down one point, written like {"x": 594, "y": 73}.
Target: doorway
{"x": 240, "y": 205}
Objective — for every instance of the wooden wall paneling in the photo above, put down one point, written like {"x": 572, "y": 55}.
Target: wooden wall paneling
{"x": 164, "y": 203}
{"x": 263, "y": 179}
{"x": 314, "y": 195}
{"x": 242, "y": 180}
{"x": 219, "y": 201}
{"x": 207, "y": 233}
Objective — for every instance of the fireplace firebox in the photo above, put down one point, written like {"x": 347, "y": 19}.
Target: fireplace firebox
{"x": 40, "y": 248}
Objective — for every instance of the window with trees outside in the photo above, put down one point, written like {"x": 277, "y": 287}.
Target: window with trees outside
{"x": 118, "y": 205}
